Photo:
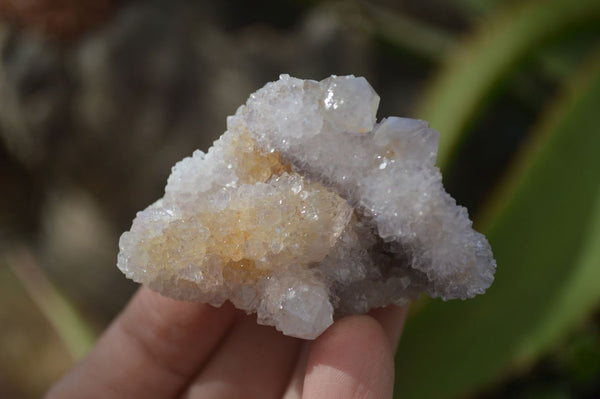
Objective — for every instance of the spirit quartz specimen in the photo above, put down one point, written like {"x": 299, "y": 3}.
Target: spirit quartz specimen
{"x": 307, "y": 209}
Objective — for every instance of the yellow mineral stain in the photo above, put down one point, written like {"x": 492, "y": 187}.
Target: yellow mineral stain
{"x": 253, "y": 164}
{"x": 299, "y": 227}
{"x": 243, "y": 271}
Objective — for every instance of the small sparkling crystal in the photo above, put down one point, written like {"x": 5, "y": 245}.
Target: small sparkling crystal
{"x": 307, "y": 209}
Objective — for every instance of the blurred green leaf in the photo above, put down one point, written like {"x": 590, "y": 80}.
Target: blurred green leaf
{"x": 32, "y": 355}
{"x": 76, "y": 334}
{"x": 426, "y": 41}
{"x": 479, "y": 7}
{"x": 488, "y": 56}
{"x": 545, "y": 234}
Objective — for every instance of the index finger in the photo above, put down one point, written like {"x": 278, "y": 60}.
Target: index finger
{"x": 352, "y": 359}
{"x": 151, "y": 350}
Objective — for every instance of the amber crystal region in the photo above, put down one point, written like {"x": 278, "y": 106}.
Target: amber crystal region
{"x": 307, "y": 209}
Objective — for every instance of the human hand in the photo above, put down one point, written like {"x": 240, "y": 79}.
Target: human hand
{"x": 161, "y": 348}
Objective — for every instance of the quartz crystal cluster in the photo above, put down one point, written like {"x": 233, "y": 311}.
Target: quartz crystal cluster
{"x": 307, "y": 209}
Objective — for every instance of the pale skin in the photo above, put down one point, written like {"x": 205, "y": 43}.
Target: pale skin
{"x": 161, "y": 348}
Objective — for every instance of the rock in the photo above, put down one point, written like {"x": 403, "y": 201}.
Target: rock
{"x": 305, "y": 210}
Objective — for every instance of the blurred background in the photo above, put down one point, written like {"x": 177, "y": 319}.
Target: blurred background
{"x": 98, "y": 99}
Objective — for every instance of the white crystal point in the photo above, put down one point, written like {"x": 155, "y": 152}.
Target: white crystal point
{"x": 306, "y": 209}
{"x": 408, "y": 139}
{"x": 297, "y": 307}
{"x": 350, "y": 104}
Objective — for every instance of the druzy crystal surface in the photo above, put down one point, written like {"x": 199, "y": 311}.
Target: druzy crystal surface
{"x": 307, "y": 209}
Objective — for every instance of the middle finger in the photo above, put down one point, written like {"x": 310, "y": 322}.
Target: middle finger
{"x": 254, "y": 361}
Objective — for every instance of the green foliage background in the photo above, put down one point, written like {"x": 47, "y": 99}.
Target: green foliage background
{"x": 542, "y": 219}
